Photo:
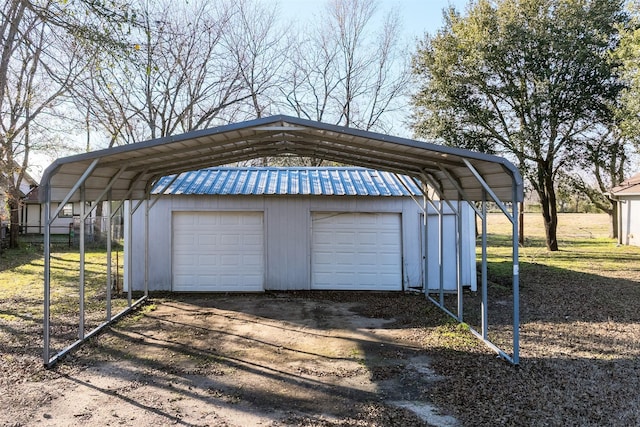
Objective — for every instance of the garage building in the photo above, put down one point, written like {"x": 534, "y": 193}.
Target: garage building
{"x": 332, "y": 228}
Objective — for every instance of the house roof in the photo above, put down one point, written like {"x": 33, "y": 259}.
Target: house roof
{"x": 630, "y": 187}
{"x": 324, "y": 181}
{"x": 130, "y": 171}
{"x": 27, "y": 184}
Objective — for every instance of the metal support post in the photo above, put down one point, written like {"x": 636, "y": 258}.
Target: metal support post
{"x": 109, "y": 260}
{"x": 146, "y": 246}
{"x": 425, "y": 244}
{"x": 82, "y": 262}
{"x": 483, "y": 268}
{"x": 458, "y": 218}
{"x": 441, "y": 251}
{"x": 516, "y": 281}
{"x": 47, "y": 274}
{"x": 129, "y": 247}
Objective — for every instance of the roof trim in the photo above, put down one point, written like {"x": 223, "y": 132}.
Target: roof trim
{"x": 629, "y": 187}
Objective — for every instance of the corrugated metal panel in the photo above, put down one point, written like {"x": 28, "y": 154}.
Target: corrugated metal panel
{"x": 287, "y": 181}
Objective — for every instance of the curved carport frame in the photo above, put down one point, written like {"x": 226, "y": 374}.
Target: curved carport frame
{"x": 446, "y": 175}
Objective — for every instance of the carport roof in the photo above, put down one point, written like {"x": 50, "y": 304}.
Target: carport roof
{"x": 130, "y": 171}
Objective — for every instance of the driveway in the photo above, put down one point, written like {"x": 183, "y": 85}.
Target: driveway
{"x": 315, "y": 359}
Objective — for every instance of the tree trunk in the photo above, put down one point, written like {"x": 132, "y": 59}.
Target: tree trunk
{"x": 550, "y": 213}
{"x": 14, "y": 220}
{"x": 521, "y": 224}
{"x": 613, "y": 217}
{"x": 550, "y": 227}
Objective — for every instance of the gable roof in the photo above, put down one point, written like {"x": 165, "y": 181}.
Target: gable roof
{"x": 629, "y": 187}
{"x": 131, "y": 171}
{"x": 320, "y": 181}
{"x": 27, "y": 184}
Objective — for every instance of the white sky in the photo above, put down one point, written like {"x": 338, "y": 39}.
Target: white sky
{"x": 418, "y": 16}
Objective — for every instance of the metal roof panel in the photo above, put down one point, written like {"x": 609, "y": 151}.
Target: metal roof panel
{"x": 285, "y": 181}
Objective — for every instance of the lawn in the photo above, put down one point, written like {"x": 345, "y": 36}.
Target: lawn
{"x": 580, "y": 328}
{"x": 580, "y": 334}
{"x": 21, "y": 303}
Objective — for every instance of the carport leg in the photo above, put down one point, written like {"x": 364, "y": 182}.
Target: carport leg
{"x": 47, "y": 275}
{"x": 483, "y": 269}
{"x": 109, "y": 260}
{"x": 82, "y": 262}
{"x": 441, "y": 250}
{"x": 516, "y": 279}
{"x": 459, "y": 259}
{"x": 129, "y": 253}
{"x": 425, "y": 244}
{"x": 146, "y": 246}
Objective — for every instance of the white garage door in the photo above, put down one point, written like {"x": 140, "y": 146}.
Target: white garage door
{"x": 218, "y": 251}
{"x": 356, "y": 251}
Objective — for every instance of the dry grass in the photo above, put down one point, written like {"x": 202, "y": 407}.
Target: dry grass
{"x": 21, "y": 305}
{"x": 580, "y": 335}
{"x": 580, "y": 329}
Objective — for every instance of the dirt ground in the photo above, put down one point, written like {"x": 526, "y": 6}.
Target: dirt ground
{"x": 241, "y": 360}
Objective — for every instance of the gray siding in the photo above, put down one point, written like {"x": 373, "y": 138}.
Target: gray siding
{"x": 287, "y": 243}
{"x": 288, "y": 236}
{"x": 630, "y": 224}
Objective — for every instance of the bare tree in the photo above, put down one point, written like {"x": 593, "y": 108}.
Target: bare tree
{"x": 180, "y": 74}
{"x": 36, "y": 74}
{"x": 345, "y": 72}
{"x": 255, "y": 41}
{"x": 40, "y": 59}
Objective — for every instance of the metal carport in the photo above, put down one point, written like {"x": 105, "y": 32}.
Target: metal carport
{"x": 129, "y": 172}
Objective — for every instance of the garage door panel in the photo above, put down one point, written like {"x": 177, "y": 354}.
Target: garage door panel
{"x": 252, "y": 260}
{"x": 356, "y": 251}
{"x": 343, "y": 238}
{"x": 218, "y": 251}
{"x": 204, "y": 260}
{"x": 252, "y": 239}
{"x": 230, "y": 240}
{"x": 370, "y": 219}
{"x": 184, "y": 240}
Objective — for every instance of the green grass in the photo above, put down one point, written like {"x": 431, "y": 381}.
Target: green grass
{"x": 591, "y": 277}
{"x": 22, "y": 295}
{"x": 584, "y": 245}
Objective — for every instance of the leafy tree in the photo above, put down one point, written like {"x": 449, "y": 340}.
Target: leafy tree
{"x": 601, "y": 166}
{"x": 628, "y": 52}
{"x": 529, "y": 79}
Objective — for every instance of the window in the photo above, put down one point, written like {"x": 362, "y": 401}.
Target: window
{"x": 67, "y": 211}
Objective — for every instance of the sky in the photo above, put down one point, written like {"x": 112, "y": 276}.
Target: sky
{"x": 418, "y": 16}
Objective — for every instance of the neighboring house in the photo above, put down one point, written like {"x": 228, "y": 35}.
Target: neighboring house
{"x": 31, "y": 213}
{"x": 33, "y": 216}
{"x": 627, "y": 195}
{"x": 255, "y": 229}
{"x": 27, "y": 187}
